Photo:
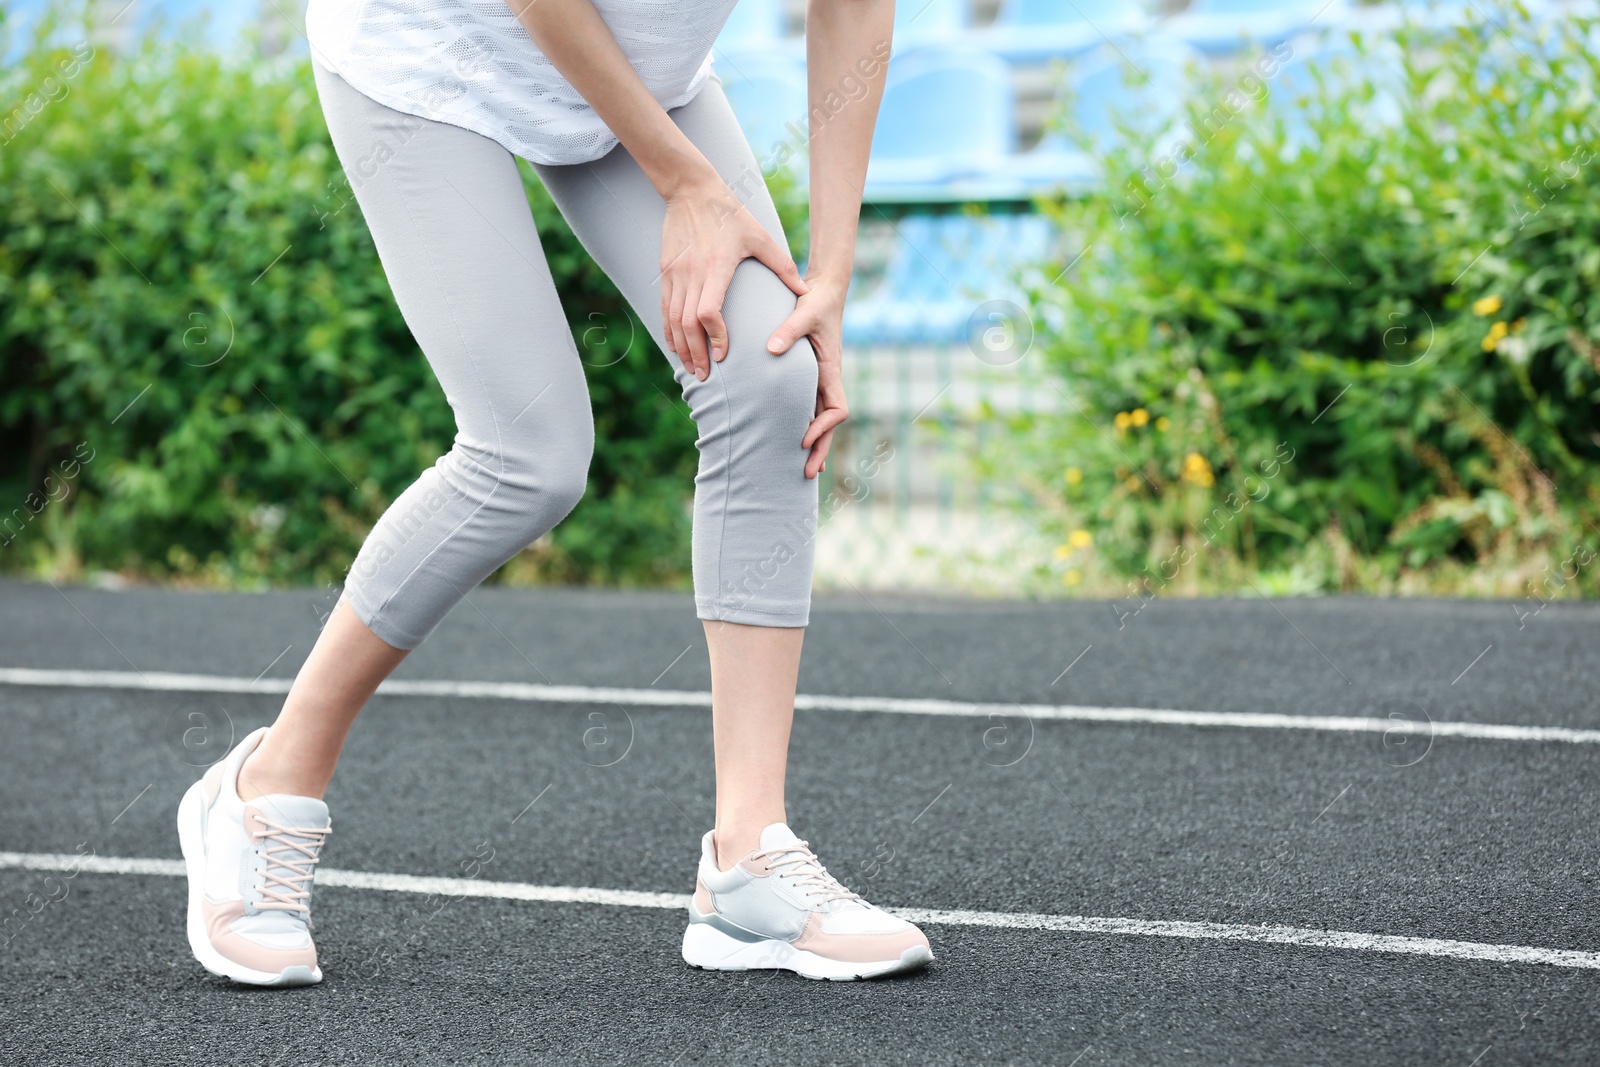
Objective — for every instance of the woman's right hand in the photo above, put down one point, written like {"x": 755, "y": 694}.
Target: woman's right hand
{"x": 706, "y": 234}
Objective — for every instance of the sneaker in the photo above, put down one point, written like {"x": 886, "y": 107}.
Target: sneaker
{"x": 779, "y": 908}
{"x": 250, "y": 870}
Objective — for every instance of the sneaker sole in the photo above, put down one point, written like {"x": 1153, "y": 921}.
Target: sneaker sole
{"x": 191, "y": 812}
{"x": 710, "y": 949}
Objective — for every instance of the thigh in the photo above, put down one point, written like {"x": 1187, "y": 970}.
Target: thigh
{"x": 755, "y": 510}
{"x": 450, "y": 218}
{"x": 617, "y": 214}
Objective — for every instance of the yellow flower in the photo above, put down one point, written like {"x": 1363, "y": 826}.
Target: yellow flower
{"x": 1197, "y": 470}
{"x": 1074, "y": 476}
{"x": 1492, "y": 338}
{"x": 1080, "y": 539}
{"x": 1163, "y": 424}
{"x": 1132, "y": 483}
{"x": 1072, "y": 577}
{"x": 1122, "y": 420}
{"x": 1062, "y": 551}
{"x": 1139, "y": 416}
{"x": 1486, "y": 306}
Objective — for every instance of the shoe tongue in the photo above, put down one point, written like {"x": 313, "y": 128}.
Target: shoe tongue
{"x": 292, "y": 813}
{"x": 777, "y": 836}
{"x": 285, "y": 809}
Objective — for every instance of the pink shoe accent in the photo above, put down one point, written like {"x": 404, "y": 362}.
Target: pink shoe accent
{"x": 758, "y": 864}
{"x": 858, "y": 948}
{"x": 243, "y": 951}
{"x": 702, "y": 897}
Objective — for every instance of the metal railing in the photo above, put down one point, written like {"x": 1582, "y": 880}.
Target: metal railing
{"x": 903, "y": 505}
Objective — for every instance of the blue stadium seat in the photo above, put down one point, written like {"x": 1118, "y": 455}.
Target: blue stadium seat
{"x": 941, "y": 268}
{"x": 947, "y": 113}
{"x": 753, "y": 24}
{"x": 768, "y": 93}
{"x": 1037, "y": 31}
{"x": 1046, "y": 13}
{"x": 1055, "y": 162}
{"x": 918, "y": 22}
{"x": 1226, "y": 26}
{"x": 1142, "y": 81}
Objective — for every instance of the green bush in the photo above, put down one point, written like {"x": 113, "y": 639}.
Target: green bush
{"x": 1358, "y": 351}
{"x": 203, "y": 374}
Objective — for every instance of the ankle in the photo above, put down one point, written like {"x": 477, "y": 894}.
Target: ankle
{"x": 732, "y": 846}
{"x": 259, "y": 777}
{"x": 734, "y": 841}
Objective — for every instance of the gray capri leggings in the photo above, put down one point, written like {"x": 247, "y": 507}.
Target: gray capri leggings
{"x": 454, "y": 231}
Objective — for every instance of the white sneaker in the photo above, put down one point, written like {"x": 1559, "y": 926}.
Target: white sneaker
{"x": 779, "y": 908}
{"x": 250, "y": 872}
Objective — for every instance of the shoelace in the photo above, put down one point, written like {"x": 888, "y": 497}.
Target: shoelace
{"x": 288, "y": 892}
{"x": 797, "y": 861}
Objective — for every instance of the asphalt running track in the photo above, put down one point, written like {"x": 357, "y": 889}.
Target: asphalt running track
{"x": 1325, "y": 832}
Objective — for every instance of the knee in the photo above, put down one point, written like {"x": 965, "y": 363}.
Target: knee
{"x": 526, "y": 485}
{"x": 561, "y": 484}
{"x": 786, "y": 389}
{"x": 755, "y": 408}
{"x": 546, "y": 475}
{"x": 537, "y": 496}
{"x": 756, "y": 304}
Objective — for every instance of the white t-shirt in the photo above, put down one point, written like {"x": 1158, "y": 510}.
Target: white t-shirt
{"x": 471, "y": 64}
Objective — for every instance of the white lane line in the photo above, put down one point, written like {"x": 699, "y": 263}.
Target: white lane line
{"x": 1264, "y": 934}
{"x": 392, "y": 883}
{"x": 1077, "y": 924}
{"x": 680, "y": 698}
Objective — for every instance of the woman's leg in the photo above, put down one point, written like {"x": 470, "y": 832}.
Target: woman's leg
{"x": 755, "y": 511}
{"x": 299, "y": 753}
{"x": 753, "y": 670}
{"x": 762, "y": 898}
{"x": 452, "y": 225}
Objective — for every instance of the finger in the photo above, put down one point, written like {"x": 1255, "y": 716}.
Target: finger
{"x": 818, "y": 460}
{"x": 680, "y": 343}
{"x": 832, "y": 408}
{"x": 797, "y": 325}
{"x": 667, "y": 332}
{"x": 667, "y": 341}
{"x": 666, "y": 308}
{"x": 693, "y": 332}
{"x": 774, "y": 255}
{"x": 716, "y": 330}
{"x": 823, "y": 425}
{"x": 711, "y": 320}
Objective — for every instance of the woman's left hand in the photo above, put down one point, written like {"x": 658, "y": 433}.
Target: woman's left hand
{"x": 819, "y": 317}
